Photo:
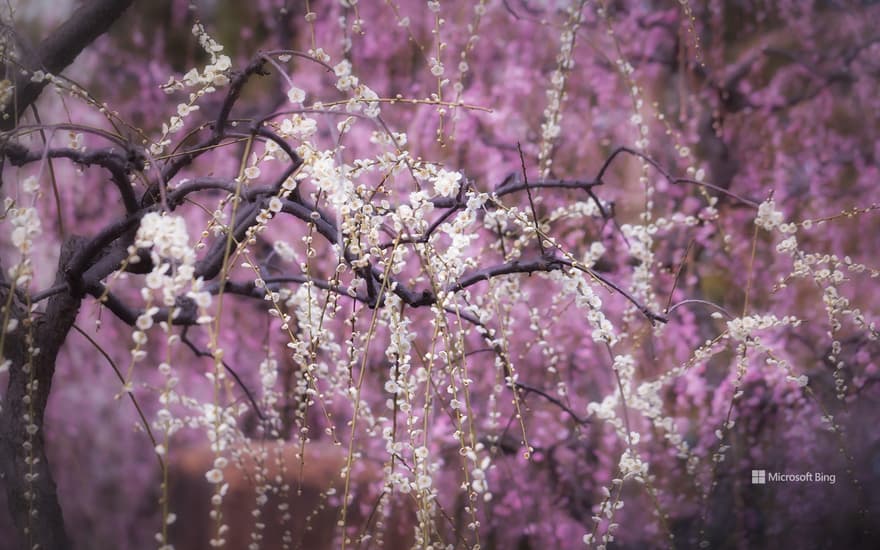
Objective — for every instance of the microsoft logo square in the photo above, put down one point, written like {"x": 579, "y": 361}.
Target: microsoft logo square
{"x": 759, "y": 477}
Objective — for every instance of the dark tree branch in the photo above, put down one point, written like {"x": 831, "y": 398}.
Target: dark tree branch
{"x": 251, "y": 290}
{"x": 119, "y": 234}
{"x": 669, "y": 177}
{"x": 565, "y": 408}
{"x": 522, "y": 160}
{"x": 508, "y": 268}
{"x": 119, "y": 166}
{"x": 60, "y": 48}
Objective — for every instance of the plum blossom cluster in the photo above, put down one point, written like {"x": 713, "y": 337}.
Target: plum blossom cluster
{"x": 206, "y": 81}
{"x": 551, "y": 127}
{"x": 172, "y": 258}
{"x": 26, "y": 227}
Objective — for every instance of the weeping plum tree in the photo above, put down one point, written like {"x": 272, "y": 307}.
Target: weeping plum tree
{"x": 516, "y": 264}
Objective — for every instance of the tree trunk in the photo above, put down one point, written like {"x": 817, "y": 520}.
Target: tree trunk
{"x": 38, "y": 499}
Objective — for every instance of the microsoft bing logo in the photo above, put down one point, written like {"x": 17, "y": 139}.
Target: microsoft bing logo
{"x": 762, "y": 477}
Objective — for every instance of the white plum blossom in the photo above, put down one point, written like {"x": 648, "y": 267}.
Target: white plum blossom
{"x": 787, "y": 246}
{"x": 446, "y": 183}
{"x": 424, "y": 482}
{"x": 370, "y": 97}
{"x": 597, "y": 249}
{"x": 26, "y": 223}
{"x": 252, "y": 172}
{"x": 185, "y": 109}
{"x": 743, "y": 327}
{"x": 167, "y": 239}
{"x": 298, "y": 127}
{"x": 346, "y": 81}
{"x": 214, "y": 476}
{"x": 26, "y": 227}
{"x": 296, "y": 95}
{"x": 768, "y": 217}
{"x": 343, "y": 68}
{"x": 166, "y": 235}
{"x": 632, "y": 466}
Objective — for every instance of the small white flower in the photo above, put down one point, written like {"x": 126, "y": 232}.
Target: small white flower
{"x": 343, "y": 68}
{"x": 346, "y": 82}
{"x": 191, "y": 78}
{"x": 30, "y": 184}
{"x": 446, "y": 183}
{"x": 768, "y": 217}
{"x": 223, "y": 63}
{"x": 202, "y": 299}
{"x": 423, "y": 482}
{"x": 184, "y": 109}
{"x": 787, "y": 246}
{"x": 214, "y": 476}
{"x": 479, "y": 485}
{"x": 296, "y": 95}
{"x": 144, "y": 321}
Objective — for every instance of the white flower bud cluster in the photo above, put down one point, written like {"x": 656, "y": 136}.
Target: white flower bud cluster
{"x": 26, "y": 227}
{"x": 446, "y": 183}
{"x": 576, "y": 285}
{"x": 298, "y": 127}
{"x": 551, "y": 127}
{"x": 172, "y": 256}
{"x": 632, "y": 466}
{"x": 7, "y": 89}
{"x": 641, "y": 244}
{"x": 345, "y": 80}
{"x": 576, "y": 210}
{"x": 744, "y": 328}
{"x": 215, "y": 74}
{"x": 413, "y": 216}
{"x": 768, "y": 217}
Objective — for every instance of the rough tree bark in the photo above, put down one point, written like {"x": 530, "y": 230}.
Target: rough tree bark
{"x": 49, "y": 330}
